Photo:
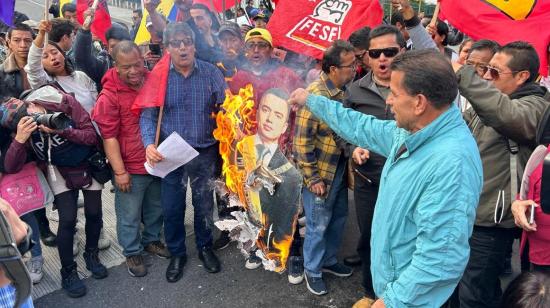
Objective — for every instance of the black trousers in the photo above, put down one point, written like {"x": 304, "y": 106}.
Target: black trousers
{"x": 365, "y": 195}
{"x": 480, "y": 284}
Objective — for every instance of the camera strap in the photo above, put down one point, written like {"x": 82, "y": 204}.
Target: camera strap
{"x": 51, "y": 170}
{"x": 12, "y": 264}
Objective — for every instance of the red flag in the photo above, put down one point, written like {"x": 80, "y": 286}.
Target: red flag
{"x": 504, "y": 21}
{"x": 154, "y": 90}
{"x": 218, "y": 4}
{"x": 102, "y": 19}
{"x": 309, "y": 27}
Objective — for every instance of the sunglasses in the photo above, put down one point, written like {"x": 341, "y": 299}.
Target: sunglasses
{"x": 388, "y": 52}
{"x": 177, "y": 43}
{"x": 260, "y": 46}
{"x": 481, "y": 68}
{"x": 496, "y": 72}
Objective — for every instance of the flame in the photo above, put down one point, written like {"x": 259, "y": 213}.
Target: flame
{"x": 236, "y": 119}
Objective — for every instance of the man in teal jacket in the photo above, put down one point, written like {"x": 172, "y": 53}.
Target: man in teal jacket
{"x": 430, "y": 183}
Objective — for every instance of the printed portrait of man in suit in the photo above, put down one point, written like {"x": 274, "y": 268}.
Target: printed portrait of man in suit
{"x": 273, "y": 184}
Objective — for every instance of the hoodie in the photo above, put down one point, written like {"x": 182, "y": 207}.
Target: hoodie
{"x": 112, "y": 114}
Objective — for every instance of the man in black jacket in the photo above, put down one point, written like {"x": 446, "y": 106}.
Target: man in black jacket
{"x": 19, "y": 41}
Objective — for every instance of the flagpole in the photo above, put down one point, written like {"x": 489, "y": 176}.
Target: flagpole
{"x": 159, "y": 121}
{"x": 223, "y": 9}
{"x": 419, "y": 5}
{"x": 94, "y": 7}
{"x": 47, "y": 18}
{"x": 436, "y": 15}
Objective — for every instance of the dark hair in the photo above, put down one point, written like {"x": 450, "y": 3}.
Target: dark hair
{"x": 529, "y": 290}
{"x": 464, "y": 42}
{"x": 139, "y": 12}
{"x": 124, "y": 47}
{"x": 385, "y": 30}
{"x": 61, "y": 27}
{"x": 178, "y": 27}
{"x": 69, "y": 67}
{"x": 524, "y": 58}
{"x": 429, "y": 73}
{"x": 490, "y": 45}
{"x": 397, "y": 17}
{"x": 333, "y": 54}
{"x": 200, "y": 6}
{"x": 20, "y": 27}
{"x": 443, "y": 29}
{"x": 280, "y": 93}
{"x": 68, "y": 7}
{"x": 360, "y": 38}
{"x": 117, "y": 32}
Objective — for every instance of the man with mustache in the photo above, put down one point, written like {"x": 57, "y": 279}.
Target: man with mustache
{"x": 195, "y": 89}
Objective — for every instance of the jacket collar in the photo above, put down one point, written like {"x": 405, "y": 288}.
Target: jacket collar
{"x": 447, "y": 121}
{"x": 333, "y": 91}
{"x": 367, "y": 83}
{"x": 10, "y": 65}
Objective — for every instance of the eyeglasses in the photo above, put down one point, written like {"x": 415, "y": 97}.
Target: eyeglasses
{"x": 496, "y": 72}
{"x": 481, "y": 68}
{"x": 260, "y": 45}
{"x": 388, "y": 52}
{"x": 177, "y": 43}
{"x": 360, "y": 56}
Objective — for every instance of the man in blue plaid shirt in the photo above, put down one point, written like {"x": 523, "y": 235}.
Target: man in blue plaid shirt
{"x": 195, "y": 90}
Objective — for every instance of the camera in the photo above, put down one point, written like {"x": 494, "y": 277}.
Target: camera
{"x": 56, "y": 120}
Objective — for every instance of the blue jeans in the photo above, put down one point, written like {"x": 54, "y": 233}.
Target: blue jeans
{"x": 30, "y": 219}
{"x": 143, "y": 199}
{"x": 199, "y": 171}
{"x": 325, "y": 224}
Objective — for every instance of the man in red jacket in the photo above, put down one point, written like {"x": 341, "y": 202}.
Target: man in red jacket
{"x": 136, "y": 191}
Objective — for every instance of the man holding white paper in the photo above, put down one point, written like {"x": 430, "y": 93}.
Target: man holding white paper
{"x": 194, "y": 91}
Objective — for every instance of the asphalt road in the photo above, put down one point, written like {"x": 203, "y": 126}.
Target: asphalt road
{"x": 234, "y": 286}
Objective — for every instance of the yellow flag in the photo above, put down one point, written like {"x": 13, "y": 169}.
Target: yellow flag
{"x": 143, "y": 36}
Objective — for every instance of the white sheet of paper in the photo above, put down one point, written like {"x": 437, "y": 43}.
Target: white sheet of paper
{"x": 176, "y": 152}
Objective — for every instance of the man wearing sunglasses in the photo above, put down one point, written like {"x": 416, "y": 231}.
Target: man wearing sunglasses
{"x": 507, "y": 106}
{"x": 430, "y": 183}
{"x": 260, "y": 69}
{"x": 368, "y": 95}
{"x": 195, "y": 89}
{"x": 479, "y": 56}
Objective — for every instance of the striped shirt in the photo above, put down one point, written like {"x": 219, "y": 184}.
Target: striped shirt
{"x": 189, "y": 106}
{"x": 7, "y": 298}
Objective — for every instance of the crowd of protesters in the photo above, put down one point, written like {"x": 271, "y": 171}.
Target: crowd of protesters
{"x": 432, "y": 143}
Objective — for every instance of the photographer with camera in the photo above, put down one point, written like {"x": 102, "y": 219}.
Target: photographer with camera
{"x": 11, "y": 275}
{"x": 60, "y": 134}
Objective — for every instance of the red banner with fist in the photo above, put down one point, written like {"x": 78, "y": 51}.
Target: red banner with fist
{"x": 310, "y": 26}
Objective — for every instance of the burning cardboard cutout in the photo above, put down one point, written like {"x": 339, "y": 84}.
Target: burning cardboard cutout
{"x": 258, "y": 177}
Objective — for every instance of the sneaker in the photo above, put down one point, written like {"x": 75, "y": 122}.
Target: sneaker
{"x": 338, "y": 269}
{"x": 222, "y": 241}
{"x": 136, "y": 266}
{"x": 103, "y": 242}
{"x": 316, "y": 285}
{"x": 253, "y": 262}
{"x": 76, "y": 242}
{"x": 93, "y": 264}
{"x": 295, "y": 270}
{"x": 71, "y": 283}
{"x": 48, "y": 237}
{"x": 159, "y": 249}
{"x": 34, "y": 266}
